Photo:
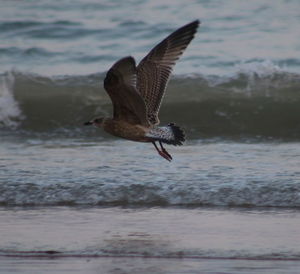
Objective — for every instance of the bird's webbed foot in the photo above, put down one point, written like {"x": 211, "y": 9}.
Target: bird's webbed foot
{"x": 163, "y": 152}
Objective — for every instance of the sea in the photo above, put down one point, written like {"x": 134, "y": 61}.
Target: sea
{"x": 75, "y": 199}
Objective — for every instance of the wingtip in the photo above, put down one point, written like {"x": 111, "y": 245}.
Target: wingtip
{"x": 197, "y": 21}
{"x": 128, "y": 58}
{"x": 190, "y": 28}
{"x": 195, "y": 24}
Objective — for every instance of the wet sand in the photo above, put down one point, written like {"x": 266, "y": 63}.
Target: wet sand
{"x": 149, "y": 240}
{"x": 124, "y": 265}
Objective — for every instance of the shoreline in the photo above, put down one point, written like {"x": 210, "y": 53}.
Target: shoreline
{"x": 149, "y": 240}
{"x": 145, "y": 265}
{"x": 53, "y": 255}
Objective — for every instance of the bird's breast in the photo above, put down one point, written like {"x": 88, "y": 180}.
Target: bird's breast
{"x": 126, "y": 130}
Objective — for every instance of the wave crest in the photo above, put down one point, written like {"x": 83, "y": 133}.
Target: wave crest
{"x": 239, "y": 194}
{"x": 10, "y": 112}
{"x": 246, "y": 103}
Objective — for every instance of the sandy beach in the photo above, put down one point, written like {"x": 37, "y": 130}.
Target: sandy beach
{"x": 125, "y": 265}
{"x": 149, "y": 240}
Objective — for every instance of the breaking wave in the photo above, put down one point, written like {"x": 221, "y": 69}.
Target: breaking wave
{"x": 255, "y": 101}
{"x": 245, "y": 193}
{"x": 10, "y": 113}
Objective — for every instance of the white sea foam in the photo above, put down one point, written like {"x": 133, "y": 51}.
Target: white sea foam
{"x": 259, "y": 68}
{"x": 10, "y": 112}
{"x": 124, "y": 173}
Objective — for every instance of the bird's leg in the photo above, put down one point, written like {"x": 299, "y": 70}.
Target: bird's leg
{"x": 162, "y": 153}
{"x": 164, "y": 150}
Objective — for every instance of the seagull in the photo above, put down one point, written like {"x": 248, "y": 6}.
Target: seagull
{"x": 136, "y": 93}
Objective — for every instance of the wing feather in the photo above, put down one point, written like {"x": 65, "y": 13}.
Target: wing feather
{"x": 120, "y": 84}
{"x": 153, "y": 72}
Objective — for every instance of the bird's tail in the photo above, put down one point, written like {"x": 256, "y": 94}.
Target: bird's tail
{"x": 170, "y": 134}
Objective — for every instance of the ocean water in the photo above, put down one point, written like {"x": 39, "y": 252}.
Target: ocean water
{"x": 235, "y": 91}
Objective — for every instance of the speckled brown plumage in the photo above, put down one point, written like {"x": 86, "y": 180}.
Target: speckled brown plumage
{"x": 137, "y": 92}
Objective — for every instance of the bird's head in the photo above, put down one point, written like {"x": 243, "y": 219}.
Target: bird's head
{"x": 97, "y": 122}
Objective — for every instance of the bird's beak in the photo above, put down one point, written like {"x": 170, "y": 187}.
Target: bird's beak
{"x": 87, "y": 123}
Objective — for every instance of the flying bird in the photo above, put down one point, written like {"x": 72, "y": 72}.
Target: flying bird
{"x": 136, "y": 93}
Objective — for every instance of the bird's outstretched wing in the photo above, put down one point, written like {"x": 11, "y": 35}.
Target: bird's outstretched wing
{"x": 154, "y": 70}
{"x": 120, "y": 84}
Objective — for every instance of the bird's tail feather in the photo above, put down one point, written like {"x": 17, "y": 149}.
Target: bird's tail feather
{"x": 170, "y": 134}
